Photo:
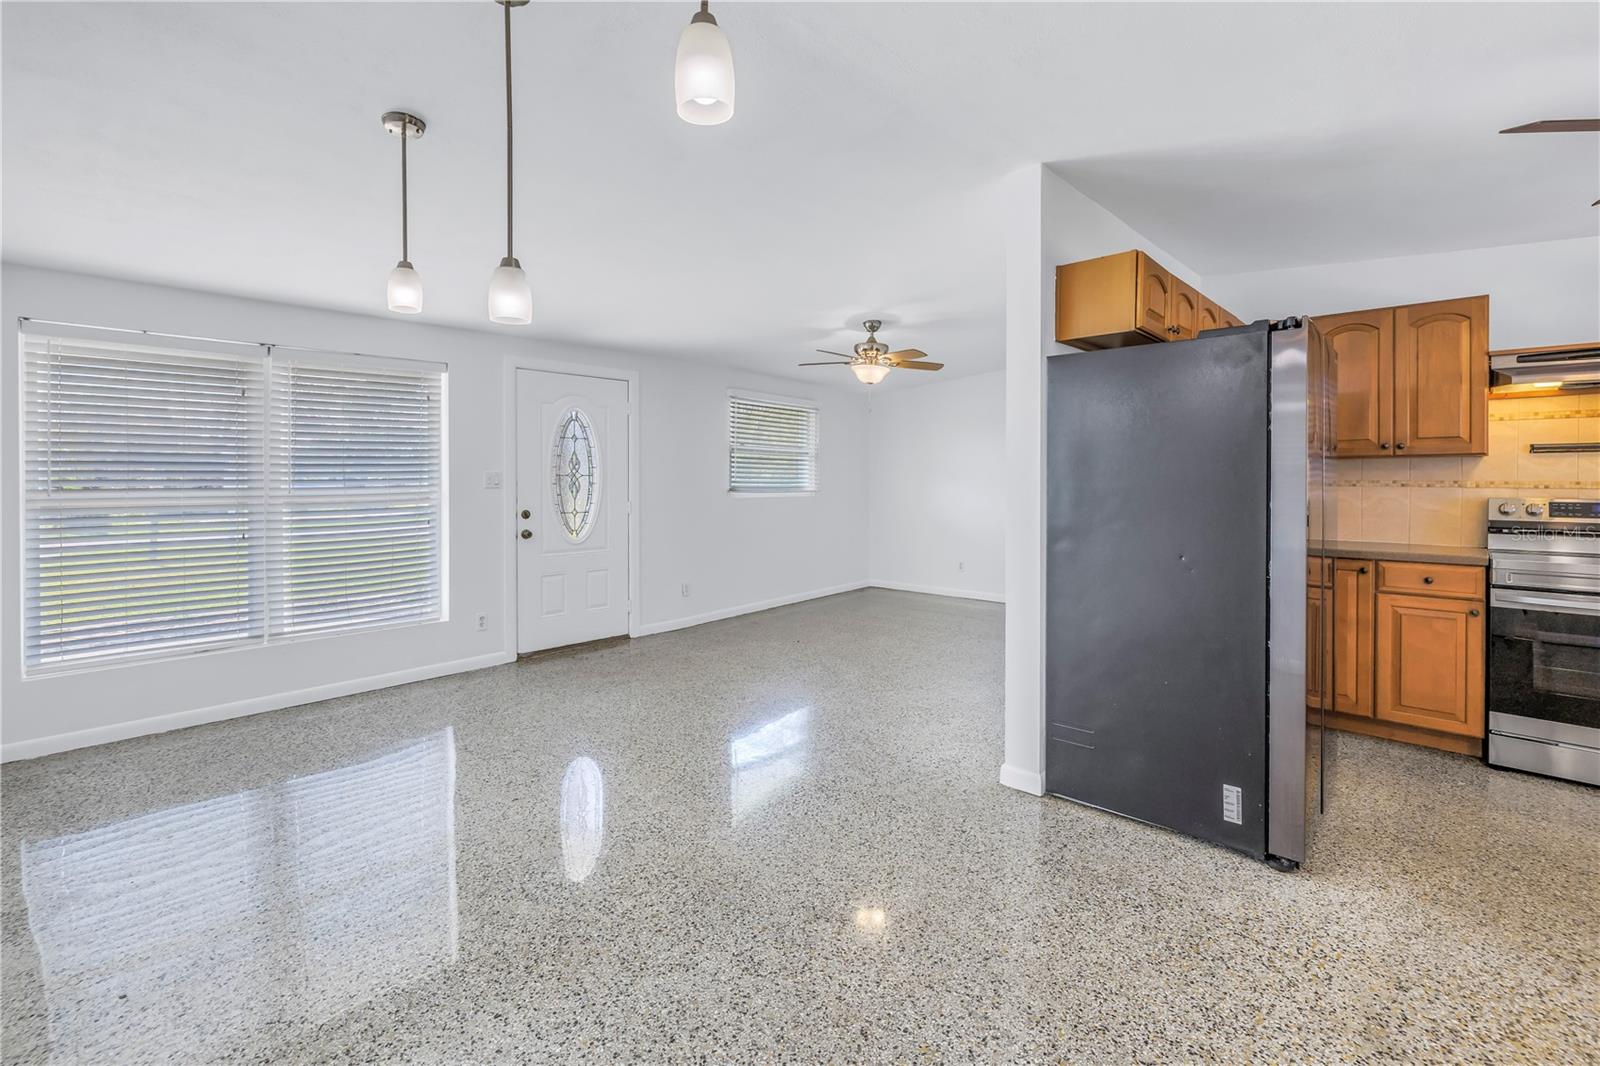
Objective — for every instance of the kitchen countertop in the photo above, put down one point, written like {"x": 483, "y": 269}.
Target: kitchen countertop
{"x": 1408, "y": 553}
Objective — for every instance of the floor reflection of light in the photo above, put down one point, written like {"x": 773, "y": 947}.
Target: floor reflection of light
{"x": 871, "y": 919}
{"x": 176, "y": 932}
{"x": 767, "y": 759}
{"x": 583, "y": 817}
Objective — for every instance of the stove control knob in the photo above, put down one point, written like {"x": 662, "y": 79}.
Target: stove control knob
{"x": 1535, "y": 509}
{"x": 1508, "y": 508}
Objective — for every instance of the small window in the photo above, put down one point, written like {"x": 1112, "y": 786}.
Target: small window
{"x": 772, "y": 445}
{"x": 575, "y": 475}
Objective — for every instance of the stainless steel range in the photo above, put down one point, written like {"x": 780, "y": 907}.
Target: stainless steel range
{"x": 1544, "y": 637}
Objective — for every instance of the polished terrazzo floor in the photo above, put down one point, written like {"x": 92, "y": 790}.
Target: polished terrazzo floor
{"x": 775, "y": 838}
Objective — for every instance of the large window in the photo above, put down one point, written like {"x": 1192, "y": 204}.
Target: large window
{"x": 772, "y": 445}
{"x": 195, "y": 497}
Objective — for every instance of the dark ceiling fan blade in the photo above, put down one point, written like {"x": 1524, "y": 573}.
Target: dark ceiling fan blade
{"x": 1595, "y": 204}
{"x": 905, "y": 355}
{"x": 823, "y": 364}
{"x": 825, "y": 351}
{"x": 1558, "y": 125}
{"x": 918, "y": 364}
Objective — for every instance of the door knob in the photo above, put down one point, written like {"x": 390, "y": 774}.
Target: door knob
{"x": 526, "y": 513}
{"x": 527, "y": 534}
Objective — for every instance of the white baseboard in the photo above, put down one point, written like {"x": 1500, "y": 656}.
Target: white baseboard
{"x": 1022, "y": 780}
{"x": 935, "y": 590}
{"x": 162, "y": 723}
{"x": 651, "y": 628}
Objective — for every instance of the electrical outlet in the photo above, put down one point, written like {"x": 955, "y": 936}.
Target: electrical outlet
{"x": 483, "y": 622}
{"x": 685, "y": 590}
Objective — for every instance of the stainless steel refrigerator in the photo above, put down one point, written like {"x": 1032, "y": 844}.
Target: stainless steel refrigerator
{"x": 1183, "y": 484}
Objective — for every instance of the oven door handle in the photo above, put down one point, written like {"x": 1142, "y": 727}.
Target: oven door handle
{"x": 1560, "y": 603}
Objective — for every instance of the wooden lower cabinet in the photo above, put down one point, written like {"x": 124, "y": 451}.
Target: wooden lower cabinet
{"x": 1401, "y": 650}
{"x": 1430, "y": 651}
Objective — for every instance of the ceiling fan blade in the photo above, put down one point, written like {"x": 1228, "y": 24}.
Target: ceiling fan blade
{"x": 1558, "y": 125}
{"x": 918, "y": 364}
{"x": 1595, "y": 204}
{"x": 907, "y": 354}
{"x": 823, "y": 364}
{"x": 825, "y": 351}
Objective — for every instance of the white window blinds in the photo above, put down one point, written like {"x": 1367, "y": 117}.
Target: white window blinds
{"x": 179, "y": 499}
{"x": 772, "y": 445}
{"x": 354, "y": 497}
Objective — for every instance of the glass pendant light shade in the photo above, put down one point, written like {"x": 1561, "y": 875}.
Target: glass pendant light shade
{"x": 870, "y": 373}
{"x": 405, "y": 289}
{"x": 510, "y": 296}
{"x": 704, "y": 75}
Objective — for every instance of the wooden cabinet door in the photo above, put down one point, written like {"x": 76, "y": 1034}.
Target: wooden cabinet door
{"x": 1430, "y": 663}
{"x": 1210, "y": 315}
{"x": 1316, "y": 644}
{"x": 1183, "y": 312}
{"x": 1152, "y": 298}
{"x": 1227, "y": 319}
{"x": 1361, "y": 359}
{"x": 1349, "y": 623}
{"x": 1441, "y": 377}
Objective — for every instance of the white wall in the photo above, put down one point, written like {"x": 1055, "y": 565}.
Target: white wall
{"x": 1545, "y": 293}
{"x": 936, "y": 514}
{"x": 1047, "y": 222}
{"x": 735, "y": 553}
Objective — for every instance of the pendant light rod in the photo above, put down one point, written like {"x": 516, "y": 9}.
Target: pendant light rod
{"x": 508, "y": 5}
{"x": 405, "y": 221}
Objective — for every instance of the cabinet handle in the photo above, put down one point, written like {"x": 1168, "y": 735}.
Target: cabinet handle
{"x": 1473, "y": 612}
{"x": 1427, "y": 580}
{"x": 1362, "y": 570}
{"x": 1384, "y": 445}
{"x": 1400, "y": 447}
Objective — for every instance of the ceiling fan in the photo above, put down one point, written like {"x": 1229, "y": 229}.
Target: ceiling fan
{"x": 1559, "y": 125}
{"x": 873, "y": 360}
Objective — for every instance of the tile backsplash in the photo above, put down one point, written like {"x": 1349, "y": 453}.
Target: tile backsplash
{"x": 1440, "y": 499}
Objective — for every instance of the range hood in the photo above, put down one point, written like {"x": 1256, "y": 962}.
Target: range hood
{"x": 1532, "y": 371}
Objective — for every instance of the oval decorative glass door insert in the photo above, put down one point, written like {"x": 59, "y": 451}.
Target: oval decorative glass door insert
{"x": 575, "y": 474}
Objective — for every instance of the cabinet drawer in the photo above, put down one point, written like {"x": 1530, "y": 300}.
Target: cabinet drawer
{"x": 1430, "y": 579}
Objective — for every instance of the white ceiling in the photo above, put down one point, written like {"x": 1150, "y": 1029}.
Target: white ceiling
{"x": 236, "y": 147}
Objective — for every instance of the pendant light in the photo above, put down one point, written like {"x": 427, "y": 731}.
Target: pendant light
{"x": 703, "y": 79}
{"x": 510, "y": 297}
{"x": 405, "y": 286}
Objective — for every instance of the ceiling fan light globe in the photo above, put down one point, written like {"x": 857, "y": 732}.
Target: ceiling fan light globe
{"x": 510, "y": 295}
{"x": 703, "y": 75}
{"x": 869, "y": 373}
{"x": 405, "y": 289}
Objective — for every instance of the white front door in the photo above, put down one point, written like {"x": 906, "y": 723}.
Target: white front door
{"x": 572, "y": 509}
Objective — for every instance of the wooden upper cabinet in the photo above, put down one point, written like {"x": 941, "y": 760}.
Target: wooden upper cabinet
{"x": 1441, "y": 377}
{"x": 1362, "y": 361}
{"x": 1410, "y": 380}
{"x": 1227, "y": 319}
{"x": 1430, "y": 651}
{"x": 1183, "y": 311}
{"x": 1347, "y": 620}
{"x": 1154, "y": 297}
{"x": 1129, "y": 298}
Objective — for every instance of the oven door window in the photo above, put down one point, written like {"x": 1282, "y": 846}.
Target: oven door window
{"x": 1544, "y": 656}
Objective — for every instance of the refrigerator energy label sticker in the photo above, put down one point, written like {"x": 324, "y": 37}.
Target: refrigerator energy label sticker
{"x": 1232, "y": 806}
